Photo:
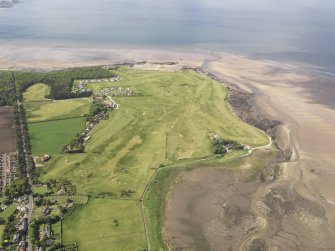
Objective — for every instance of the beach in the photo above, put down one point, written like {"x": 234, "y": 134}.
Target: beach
{"x": 282, "y": 214}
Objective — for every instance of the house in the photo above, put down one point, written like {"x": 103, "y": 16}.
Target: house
{"x": 62, "y": 190}
{"x": 46, "y": 211}
{"x": 22, "y": 209}
{"x": 46, "y": 157}
{"x": 16, "y": 238}
{"x": 47, "y": 232}
{"x": 23, "y": 227}
{"x": 49, "y": 242}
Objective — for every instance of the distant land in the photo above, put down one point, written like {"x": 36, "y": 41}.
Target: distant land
{"x": 8, "y": 3}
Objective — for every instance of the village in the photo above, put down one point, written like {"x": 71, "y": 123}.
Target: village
{"x": 8, "y": 169}
{"x": 82, "y": 85}
{"x": 17, "y": 210}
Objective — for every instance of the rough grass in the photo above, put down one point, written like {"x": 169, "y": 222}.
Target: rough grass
{"x": 92, "y": 226}
{"x": 56, "y": 109}
{"x": 49, "y": 137}
{"x": 172, "y": 121}
{"x": 36, "y": 92}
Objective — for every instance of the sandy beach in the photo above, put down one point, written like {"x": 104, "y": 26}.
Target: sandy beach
{"x": 295, "y": 211}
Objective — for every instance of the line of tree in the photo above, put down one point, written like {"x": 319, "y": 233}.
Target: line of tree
{"x": 61, "y": 81}
{"x": 7, "y": 89}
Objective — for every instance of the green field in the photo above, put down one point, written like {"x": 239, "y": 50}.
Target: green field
{"x": 2, "y": 229}
{"x": 56, "y": 109}
{"x": 171, "y": 122}
{"x": 36, "y": 92}
{"x": 8, "y": 212}
{"x": 92, "y": 226}
{"x": 40, "y": 189}
{"x": 52, "y": 123}
{"x": 49, "y": 137}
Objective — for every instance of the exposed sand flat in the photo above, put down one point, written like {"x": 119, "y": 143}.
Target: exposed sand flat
{"x": 221, "y": 210}
{"x": 288, "y": 96}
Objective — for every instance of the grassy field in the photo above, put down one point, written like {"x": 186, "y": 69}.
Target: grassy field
{"x": 52, "y": 123}
{"x": 49, "y": 137}
{"x": 40, "y": 190}
{"x": 8, "y": 212}
{"x": 36, "y": 92}
{"x": 56, "y": 109}
{"x": 93, "y": 226}
{"x": 172, "y": 121}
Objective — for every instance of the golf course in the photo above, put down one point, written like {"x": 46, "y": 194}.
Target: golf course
{"x": 169, "y": 123}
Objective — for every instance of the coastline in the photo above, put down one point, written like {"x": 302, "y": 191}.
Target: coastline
{"x": 306, "y": 136}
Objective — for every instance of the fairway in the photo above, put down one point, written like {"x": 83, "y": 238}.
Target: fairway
{"x": 49, "y": 137}
{"x": 93, "y": 226}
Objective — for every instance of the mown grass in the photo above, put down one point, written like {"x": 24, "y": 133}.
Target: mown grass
{"x": 49, "y": 137}
{"x": 93, "y": 226}
{"x": 44, "y": 110}
{"x": 36, "y": 92}
{"x": 172, "y": 121}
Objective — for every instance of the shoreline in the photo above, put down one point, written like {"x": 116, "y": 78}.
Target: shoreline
{"x": 306, "y": 136}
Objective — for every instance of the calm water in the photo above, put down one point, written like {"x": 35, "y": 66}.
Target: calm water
{"x": 287, "y": 30}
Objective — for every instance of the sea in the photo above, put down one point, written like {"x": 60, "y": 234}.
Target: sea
{"x": 298, "y": 32}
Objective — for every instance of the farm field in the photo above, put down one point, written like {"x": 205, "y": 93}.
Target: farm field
{"x": 7, "y": 130}
{"x": 50, "y": 136}
{"x": 52, "y": 123}
{"x": 171, "y": 122}
{"x": 56, "y": 109}
{"x": 106, "y": 224}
